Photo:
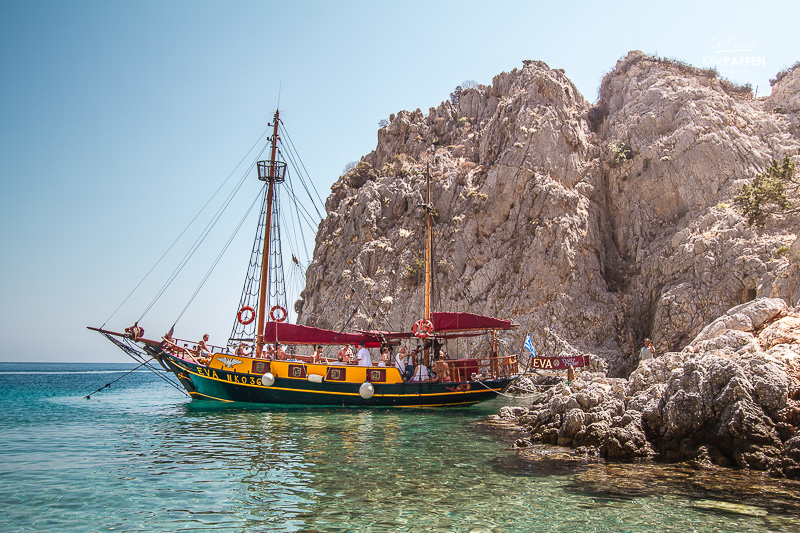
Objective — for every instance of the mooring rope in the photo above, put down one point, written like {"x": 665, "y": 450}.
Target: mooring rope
{"x": 137, "y": 355}
{"x": 491, "y": 389}
{"x": 107, "y": 385}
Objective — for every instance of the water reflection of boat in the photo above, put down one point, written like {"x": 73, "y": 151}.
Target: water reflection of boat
{"x": 254, "y": 368}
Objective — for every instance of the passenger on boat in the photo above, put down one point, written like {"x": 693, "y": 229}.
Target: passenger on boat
{"x": 438, "y": 349}
{"x": 203, "y": 351}
{"x": 134, "y": 332}
{"x": 363, "y": 357}
{"x": 280, "y": 355}
{"x": 410, "y": 360}
{"x": 420, "y": 372}
{"x": 400, "y": 360}
{"x": 316, "y": 357}
{"x": 202, "y": 347}
{"x": 169, "y": 344}
{"x": 440, "y": 372}
{"x": 384, "y": 360}
{"x": 242, "y": 349}
{"x": 344, "y": 355}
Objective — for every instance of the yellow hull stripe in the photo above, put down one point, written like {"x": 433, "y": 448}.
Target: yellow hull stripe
{"x": 198, "y": 395}
{"x": 260, "y": 386}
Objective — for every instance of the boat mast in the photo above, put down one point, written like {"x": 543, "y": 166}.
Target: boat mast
{"x": 428, "y": 245}
{"x": 267, "y": 171}
{"x": 428, "y": 253}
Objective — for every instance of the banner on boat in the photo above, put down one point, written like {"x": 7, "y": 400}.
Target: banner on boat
{"x": 559, "y": 363}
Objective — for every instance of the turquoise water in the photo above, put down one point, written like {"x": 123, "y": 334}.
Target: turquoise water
{"x": 141, "y": 457}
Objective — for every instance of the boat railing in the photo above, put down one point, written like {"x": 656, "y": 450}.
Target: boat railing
{"x": 180, "y": 346}
{"x": 490, "y": 367}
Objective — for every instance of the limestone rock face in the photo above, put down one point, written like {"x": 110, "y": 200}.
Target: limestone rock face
{"x": 722, "y": 405}
{"x": 591, "y": 226}
{"x": 786, "y": 91}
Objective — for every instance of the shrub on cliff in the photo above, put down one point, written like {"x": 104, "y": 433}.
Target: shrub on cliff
{"x": 769, "y": 192}
{"x": 362, "y": 173}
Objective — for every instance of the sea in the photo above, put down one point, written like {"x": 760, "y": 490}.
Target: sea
{"x": 141, "y": 456}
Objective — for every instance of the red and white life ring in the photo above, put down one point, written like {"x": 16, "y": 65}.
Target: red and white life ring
{"x": 422, "y": 329}
{"x": 242, "y": 311}
{"x": 272, "y": 314}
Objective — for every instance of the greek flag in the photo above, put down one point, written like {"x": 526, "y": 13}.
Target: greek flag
{"x": 529, "y": 345}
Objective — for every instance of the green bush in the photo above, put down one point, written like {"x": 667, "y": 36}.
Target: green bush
{"x": 415, "y": 270}
{"x": 769, "y": 193}
{"x": 620, "y": 152}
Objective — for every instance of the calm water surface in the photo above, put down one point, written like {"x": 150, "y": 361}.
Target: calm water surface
{"x": 141, "y": 457}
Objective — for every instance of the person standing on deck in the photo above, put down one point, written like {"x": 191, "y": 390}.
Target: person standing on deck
{"x": 400, "y": 360}
{"x": 363, "y": 357}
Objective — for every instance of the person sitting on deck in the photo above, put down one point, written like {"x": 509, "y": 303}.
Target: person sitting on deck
{"x": 134, "y": 332}
{"x": 242, "y": 350}
{"x": 280, "y": 355}
{"x": 268, "y": 352}
{"x": 344, "y": 355}
{"x": 203, "y": 351}
{"x": 384, "y": 359}
{"x": 440, "y": 371}
{"x": 420, "y": 373}
{"x": 169, "y": 344}
{"x": 316, "y": 357}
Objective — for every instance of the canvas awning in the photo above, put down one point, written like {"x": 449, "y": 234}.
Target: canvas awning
{"x": 286, "y": 333}
{"x": 458, "y": 324}
{"x": 467, "y": 322}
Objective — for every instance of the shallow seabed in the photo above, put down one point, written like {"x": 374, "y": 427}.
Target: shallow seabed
{"x": 141, "y": 457}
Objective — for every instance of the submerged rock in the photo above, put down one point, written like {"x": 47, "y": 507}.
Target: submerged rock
{"x": 728, "y": 507}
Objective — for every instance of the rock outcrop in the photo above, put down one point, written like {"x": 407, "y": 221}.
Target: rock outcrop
{"x": 592, "y": 226}
{"x": 731, "y": 397}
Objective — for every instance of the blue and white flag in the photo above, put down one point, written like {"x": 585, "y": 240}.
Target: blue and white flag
{"x": 529, "y": 345}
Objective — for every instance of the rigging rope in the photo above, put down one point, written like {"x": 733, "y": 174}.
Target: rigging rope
{"x": 251, "y": 289}
{"x": 187, "y": 227}
{"x": 218, "y": 258}
{"x": 201, "y": 238}
{"x": 135, "y": 353}
{"x": 300, "y": 207}
{"x": 299, "y": 226}
{"x": 292, "y": 148}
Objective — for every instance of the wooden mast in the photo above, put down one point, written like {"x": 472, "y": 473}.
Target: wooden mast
{"x": 428, "y": 244}
{"x": 270, "y": 178}
{"x": 428, "y": 254}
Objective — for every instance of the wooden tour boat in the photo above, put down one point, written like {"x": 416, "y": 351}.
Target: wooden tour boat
{"x": 231, "y": 374}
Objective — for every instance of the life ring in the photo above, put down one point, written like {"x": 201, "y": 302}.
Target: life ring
{"x": 282, "y": 313}
{"x": 422, "y": 329}
{"x": 242, "y": 311}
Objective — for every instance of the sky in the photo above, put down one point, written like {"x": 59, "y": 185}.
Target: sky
{"x": 120, "y": 119}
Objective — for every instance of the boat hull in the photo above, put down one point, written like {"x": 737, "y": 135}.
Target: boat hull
{"x": 205, "y": 383}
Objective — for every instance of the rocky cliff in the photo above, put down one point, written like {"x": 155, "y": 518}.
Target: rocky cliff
{"x": 592, "y": 226}
{"x": 730, "y": 398}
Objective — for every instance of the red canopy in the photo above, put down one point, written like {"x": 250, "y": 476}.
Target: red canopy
{"x": 286, "y": 333}
{"x": 451, "y": 322}
{"x": 467, "y": 322}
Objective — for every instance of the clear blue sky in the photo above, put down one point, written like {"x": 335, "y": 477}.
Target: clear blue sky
{"x": 119, "y": 119}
